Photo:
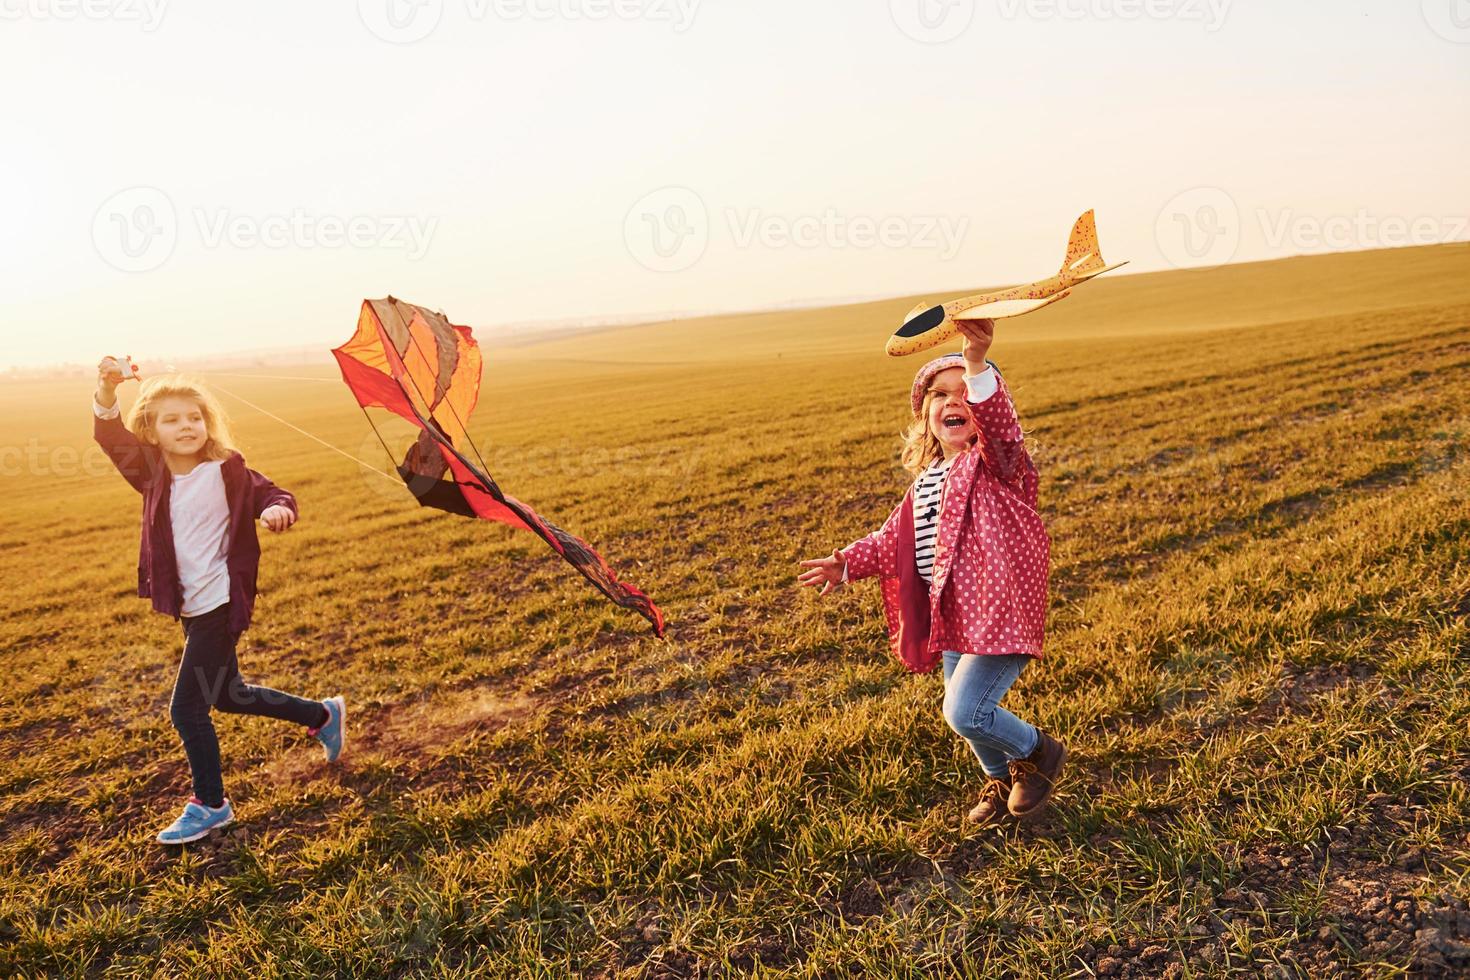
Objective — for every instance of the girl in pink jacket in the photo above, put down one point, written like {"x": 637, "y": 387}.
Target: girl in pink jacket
{"x": 963, "y": 563}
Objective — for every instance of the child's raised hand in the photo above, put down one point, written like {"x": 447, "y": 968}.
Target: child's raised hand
{"x": 978, "y": 335}
{"x": 277, "y": 518}
{"x": 109, "y": 374}
{"x": 826, "y": 572}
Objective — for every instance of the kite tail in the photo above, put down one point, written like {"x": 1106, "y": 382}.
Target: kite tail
{"x": 485, "y": 499}
{"x": 581, "y": 556}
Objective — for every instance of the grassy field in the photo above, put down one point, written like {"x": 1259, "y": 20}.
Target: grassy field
{"x": 1255, "y": 479}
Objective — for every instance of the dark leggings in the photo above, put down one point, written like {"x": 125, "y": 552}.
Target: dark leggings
{"x": 209, "y": 677}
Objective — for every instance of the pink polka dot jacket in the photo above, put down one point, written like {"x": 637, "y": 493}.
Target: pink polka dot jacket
{"x": 992, "y": 558}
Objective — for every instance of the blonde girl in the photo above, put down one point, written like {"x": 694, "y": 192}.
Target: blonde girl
{"x": 963, "y": 561}
{"x": 198, "y": 562}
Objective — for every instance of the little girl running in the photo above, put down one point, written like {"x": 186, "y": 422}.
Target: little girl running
{"x": 198, "y": 563}
{"x": 963, "y": 561}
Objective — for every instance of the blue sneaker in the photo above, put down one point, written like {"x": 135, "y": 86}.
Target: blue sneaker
{"x": 197, "y": 821}
{"x": 333, "y": 735}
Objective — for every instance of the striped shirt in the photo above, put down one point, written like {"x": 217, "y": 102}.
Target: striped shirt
{"x": 927, "y": 491}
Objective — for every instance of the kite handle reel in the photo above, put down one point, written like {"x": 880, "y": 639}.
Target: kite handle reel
{"x": 123, "y": 369}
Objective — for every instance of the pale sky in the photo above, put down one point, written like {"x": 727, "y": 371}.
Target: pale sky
{"x": 184, "y": 178}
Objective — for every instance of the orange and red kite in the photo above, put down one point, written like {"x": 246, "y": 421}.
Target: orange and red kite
{"x": 418, "y": 365}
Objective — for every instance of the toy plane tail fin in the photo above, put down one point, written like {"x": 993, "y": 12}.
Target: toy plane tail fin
{"x": 1084, "y": 258}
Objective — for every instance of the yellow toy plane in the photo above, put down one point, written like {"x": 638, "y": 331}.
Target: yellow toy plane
{"x": 928, "y": 326}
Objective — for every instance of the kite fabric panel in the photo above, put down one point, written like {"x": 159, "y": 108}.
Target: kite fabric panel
{"x": 418, "y": 365}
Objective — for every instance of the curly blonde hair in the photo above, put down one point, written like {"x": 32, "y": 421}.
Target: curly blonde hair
{"x": 921, "y": 448}
{"x": 144, "y": 413}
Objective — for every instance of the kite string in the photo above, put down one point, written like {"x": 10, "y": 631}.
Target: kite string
{"x": 273, "y": 377}
{"x": 298, "y": 377}
{"x": 340, "y": 452}
{"x": 391, "y": 459}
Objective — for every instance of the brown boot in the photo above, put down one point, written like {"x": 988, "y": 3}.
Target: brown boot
{"x": 992, "y": 806}
{"x": 1033, "y": 777}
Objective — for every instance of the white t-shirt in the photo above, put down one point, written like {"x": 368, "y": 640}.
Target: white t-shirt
{"x": 201, "y": 524}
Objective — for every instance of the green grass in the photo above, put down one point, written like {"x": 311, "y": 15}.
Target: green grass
{"x": 1256, "y": 650}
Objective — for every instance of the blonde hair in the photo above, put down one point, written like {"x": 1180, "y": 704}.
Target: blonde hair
{"x": 144, "y": 413}
{"x": 921, "y": 448}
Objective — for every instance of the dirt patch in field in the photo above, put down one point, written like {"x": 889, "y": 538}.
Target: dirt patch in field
{"x": 414, "y": 729}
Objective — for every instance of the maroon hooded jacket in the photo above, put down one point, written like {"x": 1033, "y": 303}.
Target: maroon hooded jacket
{"x": 248, "y": 494}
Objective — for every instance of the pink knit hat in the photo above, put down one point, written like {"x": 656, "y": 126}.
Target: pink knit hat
{"x": 926, "y": 375}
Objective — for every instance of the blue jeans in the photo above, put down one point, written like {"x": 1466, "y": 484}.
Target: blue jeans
{"x": 209, "y": 677}
{"x": 973, "y": 687}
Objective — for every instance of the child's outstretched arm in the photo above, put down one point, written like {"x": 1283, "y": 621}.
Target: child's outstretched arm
{"x": 858, "y": 560}
{"x": 131, "y": 457}
{"x": 1002, "y": 445}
